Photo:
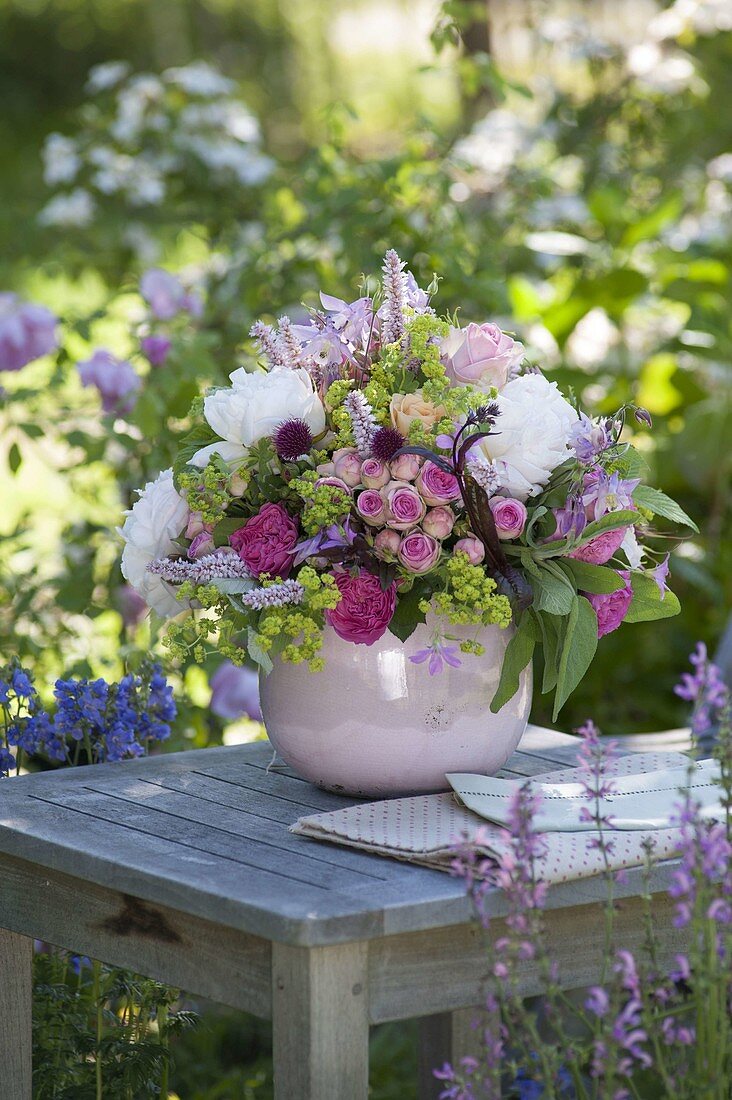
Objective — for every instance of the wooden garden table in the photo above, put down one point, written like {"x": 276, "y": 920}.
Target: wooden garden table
{"x": 181, "y": 867}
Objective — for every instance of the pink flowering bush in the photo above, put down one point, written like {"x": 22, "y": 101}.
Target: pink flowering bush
{"x": 377, "y": 465}
{"x": 648, "y": 1029}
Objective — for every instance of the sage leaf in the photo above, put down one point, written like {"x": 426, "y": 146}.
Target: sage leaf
{"x": 578, "y": 651}
{"x": 519, "y": 652}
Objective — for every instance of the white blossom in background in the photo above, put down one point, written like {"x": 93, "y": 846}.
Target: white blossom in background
{"x": 141, "y": 132}
{"x": 72, "y": 208}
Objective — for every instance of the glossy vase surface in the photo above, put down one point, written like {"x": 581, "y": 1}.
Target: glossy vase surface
{"x": 374, "y": 723}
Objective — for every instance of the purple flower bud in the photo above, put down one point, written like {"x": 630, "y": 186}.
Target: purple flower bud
{"x": 643, "y": 417}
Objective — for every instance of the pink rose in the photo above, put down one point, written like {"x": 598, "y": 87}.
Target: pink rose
{"x": 370, "y": 506}
{"x": 509, "y": 516}
{"x": 599, "y": 550}
{"x": 481, "y": 355}
{"x": 364, "y": 610}
{"x": 404, "y": 506}
{"x": 405, "y": 467}
{"x": 436, "y": 486}
{"x": 419, "y": 552}
{"x": 439, "y": 522}
{"x": 386, "y": 544}
{"x": 374, "y": 474}
{"x": 266, "y": 540}
{"x": 471, "y": 546}
{"x": 611, "y": 607}
{"x": 347, "y": 465}
{"x": 196, "y": 525}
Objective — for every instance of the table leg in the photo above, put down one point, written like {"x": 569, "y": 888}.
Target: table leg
{"x": 16, "y": 1002}
{"x": 320, "y": 1022}
{"x": 445, "y": 1037}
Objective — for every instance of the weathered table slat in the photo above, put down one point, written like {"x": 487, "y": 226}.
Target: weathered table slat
{"x": 182, "y": 867}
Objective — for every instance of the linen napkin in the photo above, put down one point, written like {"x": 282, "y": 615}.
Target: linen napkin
{"x": 424, "y": 829}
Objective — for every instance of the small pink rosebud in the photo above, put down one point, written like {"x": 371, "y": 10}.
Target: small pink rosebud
{"x": 386, "y": 544}
{"x": 338, "y": 482}
{"x": 203, "y": 543}
{"x": 347, "y": 465}
{"x": 472, "y": 547}
{"x": 436, "y": 485}
{"x": 238, "y": 485}
{"x": 509, "y": 516}
{"x": 195, "y": 525}
{"x": 374, "y": 474}
{"x": 325, "y": 469}
{"x": 419, "y": 552}
{"x": 439, "y": 522}
{"x": 405, "y": 467}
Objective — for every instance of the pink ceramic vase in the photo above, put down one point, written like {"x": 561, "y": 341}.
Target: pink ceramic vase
{"x": 374, "y": 723}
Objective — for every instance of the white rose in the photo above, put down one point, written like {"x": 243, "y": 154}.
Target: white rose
{"x": 158, "y": 518}
{"x": 256, "y": 404}
{"x": 531, "y": 434}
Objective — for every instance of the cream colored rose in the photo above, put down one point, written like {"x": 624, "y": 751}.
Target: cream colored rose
{"x": 408, "y": 407}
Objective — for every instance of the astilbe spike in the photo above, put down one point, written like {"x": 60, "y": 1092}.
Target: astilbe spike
{"x": 269, "y": 343}
{"x": 288, "y": 343}
{"x": 395, "y": 298}
{"x": 362, "y": 422}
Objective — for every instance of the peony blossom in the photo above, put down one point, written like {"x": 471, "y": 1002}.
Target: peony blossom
{"x": 404, "y": 506}
{"x": 153, "y": 524}
{"x": 419, "y": 552}
{"x": 480, "y": 355}
{"x": 531, "y": 436}
{"x": 509, "y": 517}
{"x": 436, "y": 486}
{"x": 406, "y": 408}
{"x": 255, "y": 405}
{"x": 611, "y": 607}
{"x": 266, "y": 541}
{"x": 235, "y": 692}
{"x": 365, "y": 609}
{"x": 471, "y": 546}
{"x": 27, "y": 332}
{"x": 116, "y": 380}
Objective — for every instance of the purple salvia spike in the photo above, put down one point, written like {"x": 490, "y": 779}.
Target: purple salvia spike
{"x": 362, "y": 421}
{"x": 268, "y": 343}
{"x": 395, "y": 298}
{"x": 288, "y": 343}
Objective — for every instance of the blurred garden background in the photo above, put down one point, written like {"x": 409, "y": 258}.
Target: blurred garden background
{"x": 565, "y": 167}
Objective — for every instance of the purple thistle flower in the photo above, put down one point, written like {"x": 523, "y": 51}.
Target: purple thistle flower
{"x": 386, "y": 442}
{"x": 115, "y": 379}
{"x": 292, "y": 440}
{"x": 27, "y": 332}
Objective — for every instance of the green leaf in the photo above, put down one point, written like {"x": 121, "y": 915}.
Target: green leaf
{"x": 233, "y": 585}
{"x": 552, "y": 640}
{"x": 580, "y": 645}
{"x": 647, "y": 604}
{"x": 408, "y": 614}
{"x": 592, "y": 578}
{"x": 225, "y": 528}
{"x": 14, "y": 458}
{"x": 519, "y": 652}
{"x": 609, "y": 522}
{"x": 257, "y": 653}
{"x": 661, "y": 505}
{"x": 553, "y": 594}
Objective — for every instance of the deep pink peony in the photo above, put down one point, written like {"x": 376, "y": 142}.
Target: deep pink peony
{"x": 509, "y": 516}
{"x": 365, "y": 609}
{"x": 599, "y": 550}
{"x": 611, "y": 607}
{"x": 436, "y": 486}
{"x": 266, "y": 541}
{"x": 419, "y": 552}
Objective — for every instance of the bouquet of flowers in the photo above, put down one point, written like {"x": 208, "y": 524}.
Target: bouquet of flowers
{"x": 381, "y": 463}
